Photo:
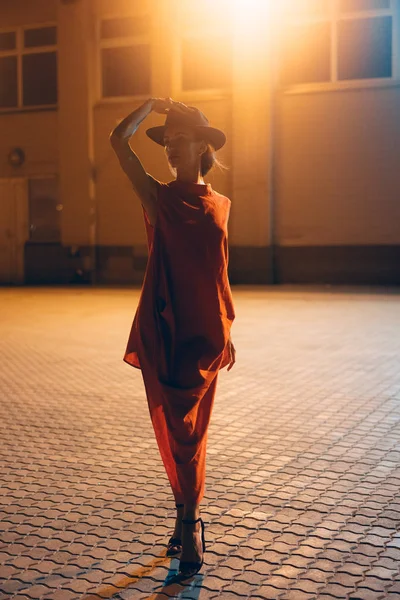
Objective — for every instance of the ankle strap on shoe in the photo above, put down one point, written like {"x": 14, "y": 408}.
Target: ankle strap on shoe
{"x": 190, "y": 521}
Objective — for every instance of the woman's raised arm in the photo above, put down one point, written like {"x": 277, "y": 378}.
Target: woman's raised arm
{"x": 143, "y": 183}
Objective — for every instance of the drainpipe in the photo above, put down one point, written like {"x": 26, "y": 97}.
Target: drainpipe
{"x": 272, "y": 99}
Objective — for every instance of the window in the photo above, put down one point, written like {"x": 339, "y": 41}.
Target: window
{"x": 350, "y": 40}
{"x": 42, "y": 36}
{"x": 125, "y": 56}
{"x": 44, "y": 210}
{"x": 8, "y": 40}
{"x": 206, "y": 45}
{"x": 365, "y": 48}
{"x": 8, "y": 81}
{"x": 39, "y": 72}
{"x": 28, "y": 67}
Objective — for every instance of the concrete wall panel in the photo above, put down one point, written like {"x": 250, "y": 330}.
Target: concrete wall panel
{"x": 337, "y": 175}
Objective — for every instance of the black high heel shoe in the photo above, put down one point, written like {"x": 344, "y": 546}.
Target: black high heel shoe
{"x": 174, "y": 544}
{"x": 189, "y": 568}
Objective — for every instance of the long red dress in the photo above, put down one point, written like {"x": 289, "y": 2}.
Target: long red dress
{"x": 181, "y": 327}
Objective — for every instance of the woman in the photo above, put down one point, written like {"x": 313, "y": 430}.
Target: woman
{"x": 180, "y": 335}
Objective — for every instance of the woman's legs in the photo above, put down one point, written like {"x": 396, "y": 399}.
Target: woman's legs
{"x": 192, "y": 548}
{"x": 187, "y": 420}
{"x": 178, "y": 523}
{"x": 180, "y": 421}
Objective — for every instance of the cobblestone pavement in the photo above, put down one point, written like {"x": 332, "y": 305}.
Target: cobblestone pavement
{"x": 303, "y": 474}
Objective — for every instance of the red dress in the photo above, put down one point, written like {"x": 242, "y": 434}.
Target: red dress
{"x": 181, "y": 327}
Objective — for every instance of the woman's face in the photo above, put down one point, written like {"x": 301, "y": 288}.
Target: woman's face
{"x": 182, "y": 147}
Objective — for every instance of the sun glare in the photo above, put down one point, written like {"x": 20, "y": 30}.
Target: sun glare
{"x": 244, "y": 18}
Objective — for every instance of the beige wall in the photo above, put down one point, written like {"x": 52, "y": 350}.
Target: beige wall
{"x": 27, "y": 12}
{"x": 36, "y": 132}
{"x": 75, "y": 121}
{"x": 61, "y": 141}
{"x": 336, "y": 172}
{"x": 337, "y": 175}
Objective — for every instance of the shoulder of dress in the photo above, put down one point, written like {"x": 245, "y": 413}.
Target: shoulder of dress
{"x": 222, "y": 197}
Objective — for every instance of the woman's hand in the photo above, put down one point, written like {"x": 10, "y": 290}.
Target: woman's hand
{"x": 161, "y": 105}
{"x": 164, "y": 105}
{"x": 232, "y": 354}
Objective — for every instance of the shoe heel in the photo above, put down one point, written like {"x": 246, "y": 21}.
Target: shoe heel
{"x": 202, "y": 535}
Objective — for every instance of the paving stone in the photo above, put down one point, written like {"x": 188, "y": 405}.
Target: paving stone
{"x": 301, "y": 489}
{"x": 300, "y": 562}
{"x": 65, "y": 595}
{"x": 252, "y": 577}
{"x": 393, "y": 553}
{"x": 365, "y": 594}
{"x": 337, "y": 590}
{"x": 288, "y": 571}
{"x": 11, "y": 586}
{"x": 373, "y": 583}
{"x": 381, "y": 572}
{"x": 297, "y": 595}
{"x": 394, "y": 587}
{"x": 36, "y": 591}
{"x": 317, "y": 575}
{"x": 239, "y": 588}
{"x": 267, "y": 592}
{"x": 214, "y": 583}
{"x": 237, "y": 564}
{"x": 352, "y": 568}
{"x": 346, "y": 579}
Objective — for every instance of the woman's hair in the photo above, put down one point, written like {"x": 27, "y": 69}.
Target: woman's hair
{"x": 208, "y": 161}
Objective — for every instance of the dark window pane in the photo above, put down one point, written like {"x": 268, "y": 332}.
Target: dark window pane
{"x": 360, "y": 5}
{"x": 43, "y": 36}
{"x": 8, "y": 81}
{"x": 365, "y": 48}
{"x": 39, "y": 73}
{"x": 126, "y": 27}
{"x": 306, "y": 58}
{"x": 126, "y": 71}
{"x": 206, "y": 63}
{"x": 44, "y": 210}
{"x": 8, "y": 40}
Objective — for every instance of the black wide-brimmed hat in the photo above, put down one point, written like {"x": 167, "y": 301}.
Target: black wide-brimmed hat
{"x": 192, "y": 118}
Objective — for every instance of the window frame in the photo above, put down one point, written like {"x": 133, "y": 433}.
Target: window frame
{"x": 21, "y": 51}
{"x": 333, "y": 17}
{"x": 120, "y": 42}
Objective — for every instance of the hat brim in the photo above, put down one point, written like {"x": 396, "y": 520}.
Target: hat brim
{"x": 214, "y": 136}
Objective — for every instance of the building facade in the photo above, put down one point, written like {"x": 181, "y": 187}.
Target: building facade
{"x": 308, "y": 94}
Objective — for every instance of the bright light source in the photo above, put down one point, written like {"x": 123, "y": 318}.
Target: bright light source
{"x": 251, "y": 12}
{"x": 221, "y": 14}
